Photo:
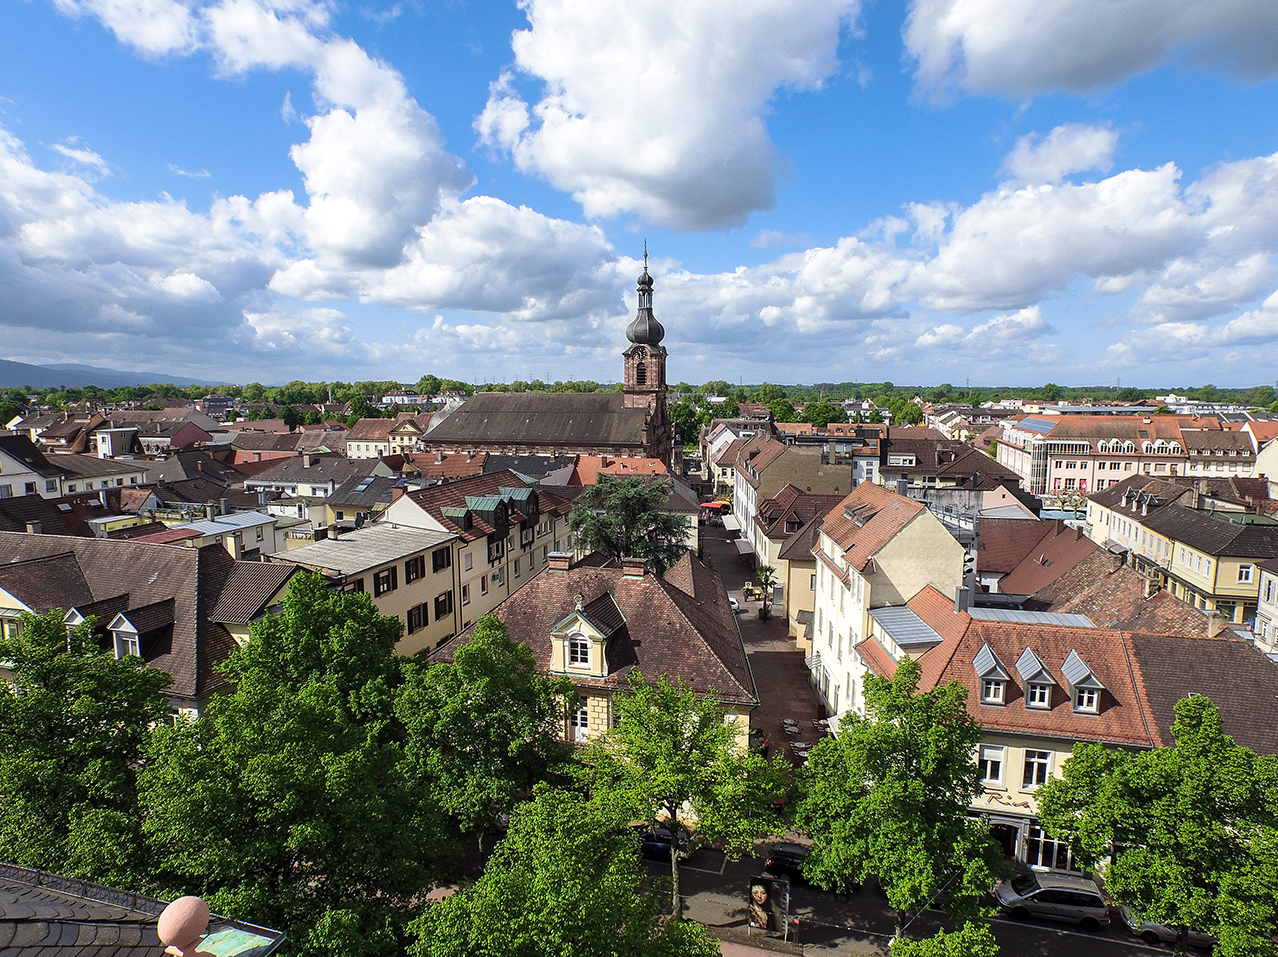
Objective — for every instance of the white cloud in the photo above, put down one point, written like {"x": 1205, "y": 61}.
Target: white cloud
{"x": 189, "y": 174}
{"x": 1017, "y": 48}
{"x": 657, "y": 108}
{"x": 1001, "y": 335}
{"x": 1070, "y": 148}
{"x": 94, "y": 163}
{"x": 153, "y": 27}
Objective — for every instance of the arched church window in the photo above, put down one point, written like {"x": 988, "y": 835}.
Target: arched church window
{"x": 641, "y": 374}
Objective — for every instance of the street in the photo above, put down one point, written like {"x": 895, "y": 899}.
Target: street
{"x": 715, "y": 888}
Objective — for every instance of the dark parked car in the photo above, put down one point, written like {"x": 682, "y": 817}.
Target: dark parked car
{"x": 655, "y": 843}
{"x": 786, "y": 859}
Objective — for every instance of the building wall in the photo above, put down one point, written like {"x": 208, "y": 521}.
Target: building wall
{"x": 1266, "y": 629}
{"x": 799, "y": 595}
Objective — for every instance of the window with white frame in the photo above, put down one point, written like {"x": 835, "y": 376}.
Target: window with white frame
{"x": 1245, "y": 572}
{"x": 1087, "y": 700}
{"x": 993, "y": 690}
{"x": 483, "y": 584}
{"x": 1038, "y": 696}
{"x": 1037, "y": 765}
{"x": 126, "y": 643}
{"x": 579, "y": 651}
{"x": 581, "y": 724}
{"x": 468, "y": 562}
{"x": 990, "y": 761}
{"x": 465, "y": 594}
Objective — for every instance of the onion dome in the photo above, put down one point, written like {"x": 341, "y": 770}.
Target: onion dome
{"x": 644, "y": 329}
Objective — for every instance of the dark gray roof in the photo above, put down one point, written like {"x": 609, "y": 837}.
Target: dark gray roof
{"x": 363, "y": 491}
{"x": 192, "y": 464}
{"x": 1212, "y": 535}
{"x": 323, "y": 468}
{"x": 905, "y": 628}
{"x": 16, "y": 512}
{"x": 74, "y": 465}
{"x": 533, "y": 466}
{"x": 1240, "y": 681}
{"x": 249, "y": 586}
{"x": 54, "y": 581}
{"x": 45, "y": 915}
{"x": 545, "y": 419}
{"x": 25, "y": 451}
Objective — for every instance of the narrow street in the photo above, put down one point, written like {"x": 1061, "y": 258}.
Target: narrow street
{"x": 861, "y": 923}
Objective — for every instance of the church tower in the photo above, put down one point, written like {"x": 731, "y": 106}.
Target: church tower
{"x": 645, "y": 380}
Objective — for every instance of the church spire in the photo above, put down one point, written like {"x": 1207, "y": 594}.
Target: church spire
{"x": 645, "y": 330}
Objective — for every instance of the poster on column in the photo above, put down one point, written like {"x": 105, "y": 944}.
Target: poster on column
{"x": 768, "y": 903}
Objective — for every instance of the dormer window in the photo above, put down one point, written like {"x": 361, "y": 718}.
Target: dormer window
{"x": 993, "y": 677}
{"x": 579, "y": 651}
{"x": 126, "y": 643}
{"x": 1085, "y": 687}
{"x": 992, "y": 691}
{"x": 1038, "y": 680}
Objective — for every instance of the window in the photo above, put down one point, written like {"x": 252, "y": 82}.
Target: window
{"x": 812, "y": 582}
{"x": 353, "y": 587}
{"x": 119, "y": 481}
{"x": 6, "y": 491}
{"x": 581, "y": 724}
{"x": 1036, "y": 765}
{"x": 468, "y": 561}
{"x": 516, "y": 567}
{"x": 260, "y": 533}
{"x": 483, "y": 585}
{"x": 1086, "y": 700}
{"x": 441, "y": 558}
{"x": 414, "y": 569}
{"x": 992, "y": 690}
{"x": 385, "y": 581}
{"x": 1043, "y": 851}
{"x": 126, "y": 643}
{"x": 990, "y": 761}
{"x": 443, "y": 605}
{"x": 579, "y": 651}
{"x": 1039, "y": 696}
{"x": 465, "y": 594}
{"x": 1269, "y": 589}
{"x": 526, "y": 536}
{"x": 51, "y": 485}
{"x": 416, "y": 618}
{"x": 31, "y": 488}
{"x": 1244, "y": 573}
{"x": 496, "y": 550}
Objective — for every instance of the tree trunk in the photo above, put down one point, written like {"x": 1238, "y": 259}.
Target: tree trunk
{"x": 676, "y": 906}
{"x": 902, "y": 918}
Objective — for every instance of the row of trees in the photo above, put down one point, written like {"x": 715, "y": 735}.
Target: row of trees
{"x": 337, "y": 783}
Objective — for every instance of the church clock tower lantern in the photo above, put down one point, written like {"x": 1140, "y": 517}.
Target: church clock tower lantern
{"x": 645, "y": 381}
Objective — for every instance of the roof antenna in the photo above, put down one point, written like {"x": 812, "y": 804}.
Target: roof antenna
{"x": 645, "y": 255}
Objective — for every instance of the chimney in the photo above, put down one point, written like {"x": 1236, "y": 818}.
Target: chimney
{"x": 1150, "y": 587}
{"x": 1116, "y": 560}
{"x": 633, "y": 567}
{"x": 560, "y": 561}
{"x": 224, "y": 506}
{"x": 334, "y": 531}
{"x": 307, "y": 460}
{"x": 903, "y": 487}
{"x": 210, "y": 511}
{"x": 398, "y": 492}
{"x": 33, "y": 528}
{"x": 962, "y": 599}
{"x": 439, "y": 456}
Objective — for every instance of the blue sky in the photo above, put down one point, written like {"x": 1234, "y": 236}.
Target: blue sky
{"x": 1080, "y": 191}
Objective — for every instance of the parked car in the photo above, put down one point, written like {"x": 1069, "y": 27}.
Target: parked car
{"x": 736, "y": 605}
{"x": 654, "y": 842}
{"x": 1067, "y": 897}
{"x": 1160, "y": 933}
{"x": 785, "y": 859}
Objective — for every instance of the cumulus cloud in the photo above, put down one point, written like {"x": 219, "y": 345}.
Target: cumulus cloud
{"x": 658, "y": 108}
{"x": 1014, "y": 48}
{"x": 1070, "y": 148}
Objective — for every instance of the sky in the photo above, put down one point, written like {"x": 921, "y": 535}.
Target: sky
{"x": 999, "y": 192}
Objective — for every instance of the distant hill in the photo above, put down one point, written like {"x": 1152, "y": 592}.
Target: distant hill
{"x": 20, "y": 374}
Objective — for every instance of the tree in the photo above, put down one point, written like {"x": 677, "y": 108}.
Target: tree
{"x": 566, "y": 880}
{"x": 675, "y": 758}
{"x": 291, "y": 803}
{"x": 782, "y": 410}
{"x": 622, "y": 518}
{"x": 769, "y": 393}
{"x": 889, "y": 796}
{"x": 766, "y": 576}
{"x": 822, "y": 413}
{"x": 992, "y": 449}
{"x": 74, "y": 723}
{"x": 482, "y": 728}
{"x": 1190, "y": 827}
{"x": 971, "y": 940}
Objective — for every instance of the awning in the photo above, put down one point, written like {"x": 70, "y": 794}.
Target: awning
{"x": 731, "y": 524}
{"x": 744, "y": 546}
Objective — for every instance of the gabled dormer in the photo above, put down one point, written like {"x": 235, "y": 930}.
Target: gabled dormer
{"x": 579, "y": 642}
{"x": 1038, "y": 681}
{"x": 992, "y": 676}
{"x": 1084, "y": 687}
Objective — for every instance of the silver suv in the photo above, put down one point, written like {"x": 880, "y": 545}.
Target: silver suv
{"x": 1069, "y": 897}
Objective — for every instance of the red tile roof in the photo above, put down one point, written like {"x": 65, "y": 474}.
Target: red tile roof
{"x": 590, "y": 467}
{"x": 1059, "y": 550}
{"x": 881, "y": 516}
{"x": 681, "y": 626}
